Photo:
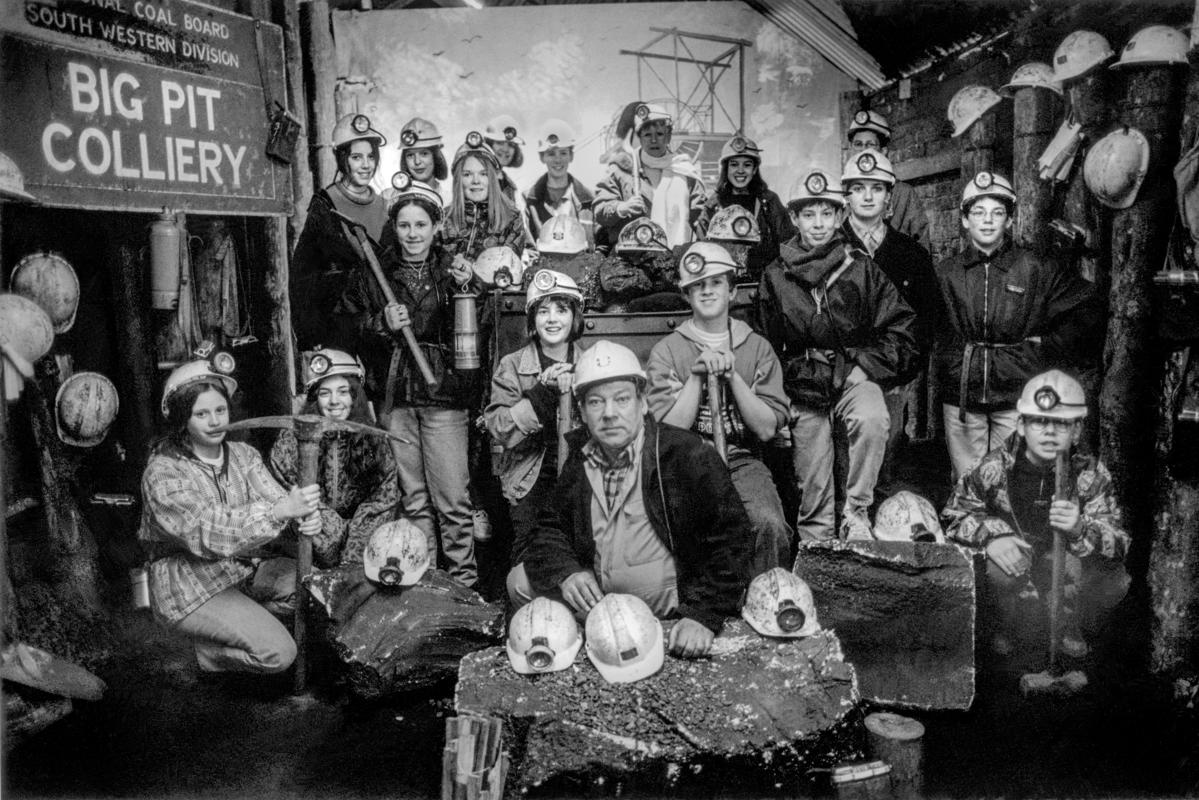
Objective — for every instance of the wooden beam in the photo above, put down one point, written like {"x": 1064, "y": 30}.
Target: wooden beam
{"x": 318, "y": 44}
{"x": 301, "y": 164}
{"x": 916, "y": 169}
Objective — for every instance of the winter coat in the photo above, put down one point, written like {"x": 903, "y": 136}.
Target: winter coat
{"x": 324, "y": 261}
{"x": 692, "y": 507}
{"x": 906, "y": 214}
{"x": 391, "y": 373}
{"x": 828, "y": 310}
{"x": 519, "y": 411}
{"x": 1007, "y": 317}
{"x": 202, "y": 525}
{"x": 980, "y": 508}
{"x": 578, "y": 197}
{"x": 669, "y": 367}
{"x": 617, "y": 185}
{"x": 910, "y": 268}
{"x": 359, "y": 490}
{"x": 774, "y": 226}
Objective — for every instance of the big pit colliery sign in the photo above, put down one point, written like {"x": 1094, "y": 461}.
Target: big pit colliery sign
{"x": 140, "y": 105}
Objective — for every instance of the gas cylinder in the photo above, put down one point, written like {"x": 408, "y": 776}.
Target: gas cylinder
{"x": 164, "y": 262}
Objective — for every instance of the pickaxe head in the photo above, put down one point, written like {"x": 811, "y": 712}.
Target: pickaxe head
{"x": 310, "y": 426}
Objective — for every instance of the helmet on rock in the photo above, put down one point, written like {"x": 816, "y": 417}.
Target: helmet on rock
{"x": 397, "y": 554}
{"x": 779, "y": 603}
{"x": 734, "y": 224}
{"x": 907, "y": 517}
{"x": 562, "y": 233}
{"x": 543, "y": 637}
{"x": 499, "y": 266}
{"x": 624, "y": 639}
{"x": 642, "y": 235}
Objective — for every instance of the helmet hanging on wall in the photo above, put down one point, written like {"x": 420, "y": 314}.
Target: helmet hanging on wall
{"x": 1078, "y": 54}
{"x": 1116, "y": 167}
{"x": 50, "y": 281}
{"x": 968, "y": 105}
{"x": 85, "y": 407}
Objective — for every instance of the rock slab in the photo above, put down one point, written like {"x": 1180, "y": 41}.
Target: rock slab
{"x": 904, "y": 612}
{"x": 396, "y": 640}
{"x": 780, "y": 705}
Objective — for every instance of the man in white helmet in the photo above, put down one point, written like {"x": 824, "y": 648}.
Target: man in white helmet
{"x": 641, "y": 508}
{"x": 1009, "y": 313}
{"x": 905, "y": 212}
{"x": 653, "y": 182}
{"x": 1005, "y": 506}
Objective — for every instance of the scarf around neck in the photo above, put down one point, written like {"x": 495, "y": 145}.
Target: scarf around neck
{"x": 811, "y": 265}
{"x": 670, "y": 205}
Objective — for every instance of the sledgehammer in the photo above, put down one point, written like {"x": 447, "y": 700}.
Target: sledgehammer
{"x": 1052, "y": 681}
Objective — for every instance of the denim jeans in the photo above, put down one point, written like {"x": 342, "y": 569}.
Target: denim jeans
{"x": 435, "y": 480}
{"x": 863, "y": 411}
{"x": 772, "y": 535}
{"x": 235, "y": 631}
{"x": 969, "y": 441}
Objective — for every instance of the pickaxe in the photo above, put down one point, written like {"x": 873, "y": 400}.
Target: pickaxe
{"x": 714, "y": 411}
{"x": 368, "y": 253}
{"x": 308, "y": 428}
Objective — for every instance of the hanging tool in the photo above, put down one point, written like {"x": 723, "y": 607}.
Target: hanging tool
{"x": 368, "y": 253}
{"x": 714, "y": 411}
{"x": 1052, "y": 680}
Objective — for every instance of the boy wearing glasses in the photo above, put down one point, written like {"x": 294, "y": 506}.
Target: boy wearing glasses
{"x": 753, "y": 405}
{"x": 1009, "y": 314}
{"x": 1005, "y": 507}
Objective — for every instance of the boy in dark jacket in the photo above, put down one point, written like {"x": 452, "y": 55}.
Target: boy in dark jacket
{"x": 640, "y": 508}
{"x": 844, "y": 336}
{"x": 868, "y": 180}
{"x": 1008, "y": 314}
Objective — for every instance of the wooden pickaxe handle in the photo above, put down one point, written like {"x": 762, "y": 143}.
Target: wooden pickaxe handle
{"x": 563, "y": 429}
{"x": 1061, "y": 491}
{"x": 409, "y": 337}
{"x": 308, "y": 445}
{"x": 714, "y": 409}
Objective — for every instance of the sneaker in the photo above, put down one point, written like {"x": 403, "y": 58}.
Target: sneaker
{"x": 482, "y": 525}
{"x": 855, "y": 527}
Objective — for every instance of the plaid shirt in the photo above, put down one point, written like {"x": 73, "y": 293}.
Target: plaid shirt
{"x": 613, "y": 471}
{"x": 202, "y": 525}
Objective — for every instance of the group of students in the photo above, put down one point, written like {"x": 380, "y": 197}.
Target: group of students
{"x": 849, "y": 310}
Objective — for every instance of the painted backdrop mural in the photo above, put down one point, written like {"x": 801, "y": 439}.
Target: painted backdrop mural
{"x": 461, "y": 67}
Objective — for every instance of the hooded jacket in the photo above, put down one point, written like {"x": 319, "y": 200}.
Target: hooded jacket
{"x": 1007, "y": 317}
{"x": 537, "y": 199}
{"x": 827, "y": 310}
{"x": 692, "y": 507}
{"x": 670, "y": 364}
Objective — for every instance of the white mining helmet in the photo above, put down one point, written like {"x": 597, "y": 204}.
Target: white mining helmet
{"x": 625, "y": 641}
{"x": 1078, "y": 54}
{"x": 704, "y": 260}
{"x": 1116, "y": 166}
{"x": 1053, "y": 394}
{"x": 397, "y": 554}
{"x": 1156, "y": 44}
{"x": 550, "y": 283}
{"x": 499, "y": 266}
{"x": 606, "y": 361}
{"x": 325, "y": 362}
{"x": 50, "y": 281}
{"x": 733, "y": 224}
{"x": 779, "y": 603}
{"x": 218, "y": 369}
{"x": 562, "y": 233}
{"x": 907, "y": 517}
{"x": 543, "y": 637}
{"x": 1034, "y": 74}
{"x": 968, "y": 105}
{"x": 353, "y": 127}
{"x": 85, "y": 407}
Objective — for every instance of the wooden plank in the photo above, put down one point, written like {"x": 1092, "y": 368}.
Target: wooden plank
{"x": 916, "y": 169}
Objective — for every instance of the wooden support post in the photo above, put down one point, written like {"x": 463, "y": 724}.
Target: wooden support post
{"x": 1174, "y": 559}
{"x": 319, "y": 47}
{"x": 1087, "y": 98}
{"x": 301, "y": 164}
{"x": 279, "y": 341}
{"x": 1132, "y": 364}
{"x": 899, "y": 741}
{"x": 1037, "y": 113}
{"x": 136, "y": 378}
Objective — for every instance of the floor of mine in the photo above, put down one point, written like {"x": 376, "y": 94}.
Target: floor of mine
{"x": 162, "y": 730}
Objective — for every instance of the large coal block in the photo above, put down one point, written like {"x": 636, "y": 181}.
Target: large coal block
{"x": 395, "y": 640}
{"x": 905, "y": 614}
{"x": 764, "y": 709}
